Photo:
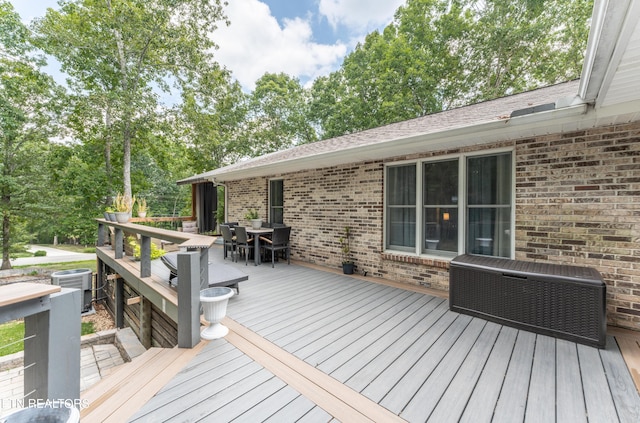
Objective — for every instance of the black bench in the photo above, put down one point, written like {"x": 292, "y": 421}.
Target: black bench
{"x": 219, "y": 274}
{"x": 563, "y": 301}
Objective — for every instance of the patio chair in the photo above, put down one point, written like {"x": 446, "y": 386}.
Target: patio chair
{"x": 229, "y": 242}
{"x": 242, "y": 242}
{"x": 279, "y": 242}
{"x": 219, "y": 275}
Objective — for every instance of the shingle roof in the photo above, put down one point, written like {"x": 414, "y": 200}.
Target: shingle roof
{"x": 476, "y": 114}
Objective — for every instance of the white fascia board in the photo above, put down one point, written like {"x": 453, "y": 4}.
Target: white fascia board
{"x": 606, "y": 23}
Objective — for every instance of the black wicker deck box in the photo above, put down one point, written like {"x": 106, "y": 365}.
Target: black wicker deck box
{"x": 567, "y": 302}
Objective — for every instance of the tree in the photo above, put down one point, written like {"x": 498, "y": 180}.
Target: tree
{"x": 211, "y": 119}
{"x": 439, "y": 54}
{"x": 29, "y": 100}
{"x": 520, "y": 45}
{"x": 119, "y": 51}
{"x": 277, "y": 116}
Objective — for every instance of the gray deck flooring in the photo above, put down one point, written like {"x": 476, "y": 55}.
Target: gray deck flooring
{"x": 403, "y": 350}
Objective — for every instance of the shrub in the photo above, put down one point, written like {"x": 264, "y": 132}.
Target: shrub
{"x": 40, "y": 253}
{"x": 155, "y": 251}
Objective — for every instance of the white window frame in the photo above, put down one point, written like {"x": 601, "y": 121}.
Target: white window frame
{"x": 462, "y": 201}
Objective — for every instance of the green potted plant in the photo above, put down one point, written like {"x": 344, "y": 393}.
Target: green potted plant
{"x": 252, "y": 216}
{"x": 110, "y": 214}
{"x": 123, "y": 205}
{"x": 345, "y": 249}
{"x": 142, "y": 207}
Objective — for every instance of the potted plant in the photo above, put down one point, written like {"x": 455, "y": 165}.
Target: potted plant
{"x": 110, "y": 214}
{"x": 345, "y": 249}
{"x": 123, "y": 205}
{"x": 142, "y": 207}
{"x": 252, "y": 216}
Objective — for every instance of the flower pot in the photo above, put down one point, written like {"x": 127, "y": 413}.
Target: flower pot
{"x": 112, "y": 216}
{"x": 106, "y": 216}
{"x": 347, "y": 268}
{"x": 142, "y": 214}
{"x": 256, "y": 223}
{"x": 123, "y": 217}
{"x": 214, "y": 306}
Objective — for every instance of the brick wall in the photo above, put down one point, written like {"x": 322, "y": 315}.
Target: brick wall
{"x": 577, "y": 202}
{"x": 319, "y": 204}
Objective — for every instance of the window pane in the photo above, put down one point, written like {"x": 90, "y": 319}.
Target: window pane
{"x": 441, "y": 183}
{"x": 277, "y": 193}
{"x": 277, "y": 216}
{"x": 276, "y": 201}
{"x": 402, "y": 227}
{"x": 489, "y": 205}
{"x": 440, "y": 196}
{"x": 401, "y": 207}
{"x": 401, "y": 185}
{"x": 440, "y": 230}
{"x": 489, "y": 180}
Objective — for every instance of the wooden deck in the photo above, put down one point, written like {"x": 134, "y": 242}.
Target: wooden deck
{"x": 309, "y": 345}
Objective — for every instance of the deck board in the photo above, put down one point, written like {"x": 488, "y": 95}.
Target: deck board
{"x": 454, "y": 400}
{"x": 379, "y": 345}
{"x": 568, "y": 375}
{"x": 483, "y": 399}
{"x": 542, "y": 386}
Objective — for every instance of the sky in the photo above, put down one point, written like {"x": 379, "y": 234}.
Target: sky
{"x": 302, "y": 38}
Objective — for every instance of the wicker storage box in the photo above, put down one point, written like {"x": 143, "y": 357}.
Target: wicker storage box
{"x": 566, "y": 302}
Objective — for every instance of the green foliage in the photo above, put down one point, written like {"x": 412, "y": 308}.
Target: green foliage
{"x": 117, "y": 52}
{"x": 40, "y": 253}
{"x": 251, "y": 214}
{"x": 156, "y": 252}
{"x": 29, "y": 104}
{"x": 12, "y": 335}
{"x": 439, "y": 54}
{"x": 345, "y": 246}
{"x": 277, "y": 117}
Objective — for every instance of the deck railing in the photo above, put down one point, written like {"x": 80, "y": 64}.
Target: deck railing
{"x": 192, "y": 273}
{"x": 52, "y": 341}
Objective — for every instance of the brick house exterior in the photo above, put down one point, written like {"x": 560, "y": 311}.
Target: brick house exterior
{"x": 575, "y": 155}
{"x": 577, "y": 202}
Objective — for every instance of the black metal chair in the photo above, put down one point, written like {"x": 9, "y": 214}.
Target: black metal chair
{"x": 243, "y": 242}
{"x": 229, "y": 242}
{"x": 279, "y": 242}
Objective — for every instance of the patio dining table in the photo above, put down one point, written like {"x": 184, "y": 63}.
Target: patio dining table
{"x": 256, "y": 240}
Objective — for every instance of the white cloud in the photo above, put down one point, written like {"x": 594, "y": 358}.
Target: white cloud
{"x": 359, "y": 15}
{"x": 256, "y": 43}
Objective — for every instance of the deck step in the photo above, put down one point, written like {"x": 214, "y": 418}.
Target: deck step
{"x": 118, "y": 396}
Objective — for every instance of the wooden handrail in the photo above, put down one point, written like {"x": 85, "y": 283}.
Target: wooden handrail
{"x": 184, "y": 239}
{"x": 17, "y": 293}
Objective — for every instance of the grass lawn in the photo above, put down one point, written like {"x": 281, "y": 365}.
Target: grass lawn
{"x": 12, "y": 334}
{"x": 54, "y": 267}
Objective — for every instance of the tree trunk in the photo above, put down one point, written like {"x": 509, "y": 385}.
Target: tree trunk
{"x": 107, "y": 151}
{"x": 6, "y": 240}
{"x": 126, "y": 161}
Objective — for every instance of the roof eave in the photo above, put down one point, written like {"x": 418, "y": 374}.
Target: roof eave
{"x": 474, "y": 134}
